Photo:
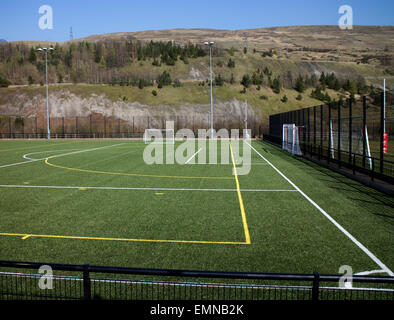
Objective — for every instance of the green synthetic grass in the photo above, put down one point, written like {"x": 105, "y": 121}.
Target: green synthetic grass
{"x": 288, "y": 234}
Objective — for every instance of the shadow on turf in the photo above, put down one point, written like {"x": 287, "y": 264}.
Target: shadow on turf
{"x": 339, "y": 182}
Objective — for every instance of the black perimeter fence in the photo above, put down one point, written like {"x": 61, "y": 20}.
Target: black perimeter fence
{"x": 346, "y": 135}
{"x": 100, "y": 126}
{"x": 85, "y": 282}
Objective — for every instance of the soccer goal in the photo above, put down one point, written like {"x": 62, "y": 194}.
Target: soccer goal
{"x": 350, "y": 141}
{"x": 159, "y": 136}
{"x": 290, "y": 139}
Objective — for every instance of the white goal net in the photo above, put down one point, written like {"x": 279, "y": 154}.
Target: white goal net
{"x": 290, "y": 139}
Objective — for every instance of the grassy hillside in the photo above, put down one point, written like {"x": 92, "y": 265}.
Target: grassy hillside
{"x": 134, "y": 62}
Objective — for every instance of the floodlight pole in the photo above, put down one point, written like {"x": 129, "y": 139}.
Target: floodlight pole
{"x": 210, "y": 44}
{"x": 46, "y": 81}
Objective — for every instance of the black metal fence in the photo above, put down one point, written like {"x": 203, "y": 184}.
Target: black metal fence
{"x": 347, "y": 134}
{"x": 76, "y": 282}
{"x": 100, "y": 126}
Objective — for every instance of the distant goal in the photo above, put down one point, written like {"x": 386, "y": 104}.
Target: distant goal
{"x": 290, "y": 139}
{"x": 159, "y": 136}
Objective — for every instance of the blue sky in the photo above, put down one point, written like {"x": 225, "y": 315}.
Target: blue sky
{"x": 19, "y": 19}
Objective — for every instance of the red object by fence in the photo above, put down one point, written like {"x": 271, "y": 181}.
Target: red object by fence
{"x": 385, "y": 142}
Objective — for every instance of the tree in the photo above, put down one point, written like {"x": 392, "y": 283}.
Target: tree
{"x": 299, "y": 97}
{"x": 32, "y": 55}
{"x": 177, "y": 83}
{"x": 30, "y": 80}
{"x": 4, "y": 82}
{"x": 276, "y": 85}
{"x": 284, "y": 99}
{"x": 300, "y": 85}
{"x": 164, "y": 79}
{"x": 219, "y": 80}
{"x": 245, "y": 81}
{"x": 231, "y": 63}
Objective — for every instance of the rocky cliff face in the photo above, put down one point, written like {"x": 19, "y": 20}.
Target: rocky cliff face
{"x": 66, "y": 104}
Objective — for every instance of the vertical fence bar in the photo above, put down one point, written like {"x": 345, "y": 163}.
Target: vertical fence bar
{"x": 321, "y": 128}
{"x": 364, "y": 127}
{"x": 350, "y": 129}
{"x": 86, "y": 282}
{"x": 309, "y": 131}
{"x": 315, "y": 286}
{"x": 354, "y": 164}
{"x": 381, "y": 131}
{"x": 314, "y": 128}
{"x": 329, "y": 134}
{"x": 339, "y": 133}
{"x": 90, "y": 126}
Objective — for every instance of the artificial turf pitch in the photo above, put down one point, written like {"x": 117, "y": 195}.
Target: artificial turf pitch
{"x": 97, "y": 202}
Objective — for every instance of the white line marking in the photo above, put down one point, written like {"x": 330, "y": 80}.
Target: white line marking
{"x": 192, "y": 156}
{"x": 25, "y": 156}
{"x": 344, "y": 231}
{"x": 366, "y": 273}
{"x": 143, "y": 189}
{"x": 15, "y": 164}
{"x": 60, "y": 155}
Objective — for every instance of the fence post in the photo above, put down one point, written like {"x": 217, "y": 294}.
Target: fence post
{"x": 373, "y": 169}
{"x": 329, "y": 134}
{"x": 315, "y": 286}
{"x": 350, "y": 129}
{"x": 381, "y": 130}
{"x": 354, "y": 164}
{"x": 339, "y": 133}
{"x": 321, "y": 126}
{"x": 364, "y": 127}
{"x": 86, "y": 283}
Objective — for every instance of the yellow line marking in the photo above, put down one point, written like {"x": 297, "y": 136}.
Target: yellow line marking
{"x": 25, "y": 236}
{"x": 133, "y": 174}
{"x": 82, "y": 189}
{"x": 26, "y": 182}
{"x": 159, "y": 193}
{"x": 241, "y": 203}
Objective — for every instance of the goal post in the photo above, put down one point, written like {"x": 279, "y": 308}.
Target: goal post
{"x": 340, "y": 140}
{"x": 290, "y": 139}
{"x": 159, "y": 136}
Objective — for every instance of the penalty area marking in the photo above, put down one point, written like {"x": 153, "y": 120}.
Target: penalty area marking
{"x": 342, "y": 229}
{"x": 25, "y": 236}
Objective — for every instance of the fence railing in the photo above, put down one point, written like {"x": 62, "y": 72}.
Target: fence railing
{"x": 351, "y": 134}
{"x": 98, "y": 282}
{"x": 99, "y": 126}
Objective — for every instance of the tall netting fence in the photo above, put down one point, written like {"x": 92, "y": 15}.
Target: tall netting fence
{"x": 354, "y": 134}
{"x": 99, "y": 126}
